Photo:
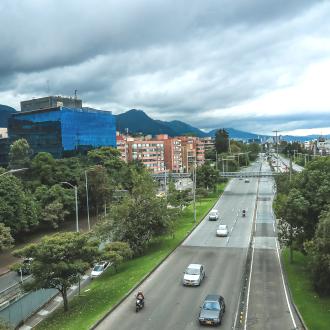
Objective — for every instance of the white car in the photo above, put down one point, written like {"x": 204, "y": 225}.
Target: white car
{"x": 99, "y": 268}
{"x": 222, "y": 231}
{"x": 193, "y": 275}
{"x": 214, "y": 215}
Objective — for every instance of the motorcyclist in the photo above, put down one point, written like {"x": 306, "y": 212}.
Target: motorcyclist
{"x": 140, "y": 297}
{"x": 243, "y": 212}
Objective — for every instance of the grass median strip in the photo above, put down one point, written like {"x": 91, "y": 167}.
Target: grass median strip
{"x": 107, "y": 290}
{"x": 314, "y": 309}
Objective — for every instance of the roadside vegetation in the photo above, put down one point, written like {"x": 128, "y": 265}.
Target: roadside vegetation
{"x": 105, "y": 292}
{"x": 314, "y": 308}
{"x": 302, "y": 206}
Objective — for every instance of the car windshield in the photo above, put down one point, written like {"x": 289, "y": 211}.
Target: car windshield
{"x": 98, "y": 268}
{"x": 192, "y": 271}
{"x": 222, "y": 227}
{"x": 211, "y": 306}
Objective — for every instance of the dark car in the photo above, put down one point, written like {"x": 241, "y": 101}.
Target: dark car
{"x": 212, "y": 310}
{"x": 25, "y": 267}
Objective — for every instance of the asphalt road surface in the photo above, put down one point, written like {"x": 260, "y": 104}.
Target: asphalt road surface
{"x": 169, "y": 305}
{"x": 268, "y": 304}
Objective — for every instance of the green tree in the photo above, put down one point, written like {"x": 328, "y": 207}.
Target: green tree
{"x": 99, "y": 187}
{"x": 11, "y": 202}
{"x": 19, "y": 154}
{"x": 292, "y": 209}
{"x": 117, "y": 252}
{"x": 43, "y": 167}
{"x": 139, "y": 217}
{"x": 59, "y": 261}
{"x": 319, "y": 251}
{"x": 221, "y": 141}
{"x": 207, "y": 176}
{"x": 6, "y": 240}
{"x": 55, "y": 202}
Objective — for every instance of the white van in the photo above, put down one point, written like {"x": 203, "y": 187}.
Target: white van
{"x": 214, "y": 215}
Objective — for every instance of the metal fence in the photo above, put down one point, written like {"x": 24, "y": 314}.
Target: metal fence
{"x": 25, "y": 306}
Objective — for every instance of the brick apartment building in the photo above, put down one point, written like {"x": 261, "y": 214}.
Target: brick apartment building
{"x": 162, "y": 152}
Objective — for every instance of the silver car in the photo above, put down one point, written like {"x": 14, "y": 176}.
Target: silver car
{"x": 222, "y": 231}
{"x": 193, "y": 275}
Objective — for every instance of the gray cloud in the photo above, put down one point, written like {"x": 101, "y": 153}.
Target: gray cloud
{"x": 175, "y": 59}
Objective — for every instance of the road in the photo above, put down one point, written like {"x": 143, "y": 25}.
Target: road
{"x": 268, "y": 304}
{"x": 284, "y": 164}
{"x": 169, "y": 305}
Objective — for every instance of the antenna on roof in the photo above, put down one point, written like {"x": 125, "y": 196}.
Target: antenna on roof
{"x": 48, "y": 89}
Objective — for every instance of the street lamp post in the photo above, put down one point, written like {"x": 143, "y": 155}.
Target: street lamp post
{"x": 87, "y": 201}
{"x": 76, "y": 200}
{"x": 14, "y": 171}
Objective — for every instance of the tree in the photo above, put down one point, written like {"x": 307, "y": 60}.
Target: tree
{"x": 117, "y": 252}
{"x": 177, "y": 198}
{"x": 207, "y": 176}
{"x": 103, "y": 155}
{"x": 98, "y": 186}
{"x": 59, "y": 261}
{"x": 43, "y": 167}
{"x": 138, "y": 218}
{"x": 19, "y": 154}
{"x": 319, "y": 251}
{"x": 55, "y": 202}
{"x": 11, "y": 201}
{"x": 292, "y": 209}
{"x": 6, "y": 240}
{"x": 221, "y": 141}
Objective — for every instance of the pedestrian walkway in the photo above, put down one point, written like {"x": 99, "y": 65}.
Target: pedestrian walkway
{"x": 52, "y": 305}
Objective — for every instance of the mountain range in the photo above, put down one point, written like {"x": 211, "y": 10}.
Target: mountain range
{"x": 137, "y": 121}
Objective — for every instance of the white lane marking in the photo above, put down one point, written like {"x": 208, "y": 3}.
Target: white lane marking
{"x": 284, "y": 286}
{"x": 248, "y": 293}
{"x": 274, "y": 227}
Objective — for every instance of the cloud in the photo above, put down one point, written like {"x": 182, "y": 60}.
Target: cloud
{"x": 247, "y": 64}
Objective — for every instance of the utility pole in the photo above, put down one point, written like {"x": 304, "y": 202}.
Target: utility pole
{"x": 194, "y": 189}
{"x": 216, "y": 160}
{"x": 276, "y": 131}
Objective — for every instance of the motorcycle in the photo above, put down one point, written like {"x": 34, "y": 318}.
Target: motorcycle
{"x": 139, "y": 304}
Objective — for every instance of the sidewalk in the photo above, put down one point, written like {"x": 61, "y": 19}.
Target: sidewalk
{"x": 52, "y": 305}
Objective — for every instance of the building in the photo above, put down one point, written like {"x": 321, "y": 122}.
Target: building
{"x": 209, "y": 143}
{"x": 323, "y": 145}
{"x": 177, "y": 154}
{"x": 149, "y": 152}
{"x": 192, "y": 152}
{"x": 50, "y": 102}
{"x": 3, "y": 133}
{"x": 172, "y": 153}
{"x": 62, "y": 131}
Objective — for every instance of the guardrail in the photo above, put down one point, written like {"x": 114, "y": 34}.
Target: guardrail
{"x": 247, "y": 174}
{"x": 12, "y": 293}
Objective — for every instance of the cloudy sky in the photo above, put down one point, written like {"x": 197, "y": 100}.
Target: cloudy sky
{"x": 254, "y": 65}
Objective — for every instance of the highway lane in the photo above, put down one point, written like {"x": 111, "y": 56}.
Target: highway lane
{"x": 268, "y": 304}
{"x": 169, "y": 305}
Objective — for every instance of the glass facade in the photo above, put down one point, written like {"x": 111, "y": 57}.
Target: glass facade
{"x": 62, "y": 130}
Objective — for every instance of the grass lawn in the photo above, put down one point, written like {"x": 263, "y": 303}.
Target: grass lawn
{"x": 106, "y": 291}
{"x": 314, "y": 310}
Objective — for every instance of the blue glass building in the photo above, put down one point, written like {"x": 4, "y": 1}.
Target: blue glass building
{"x": 62, "y": 131}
